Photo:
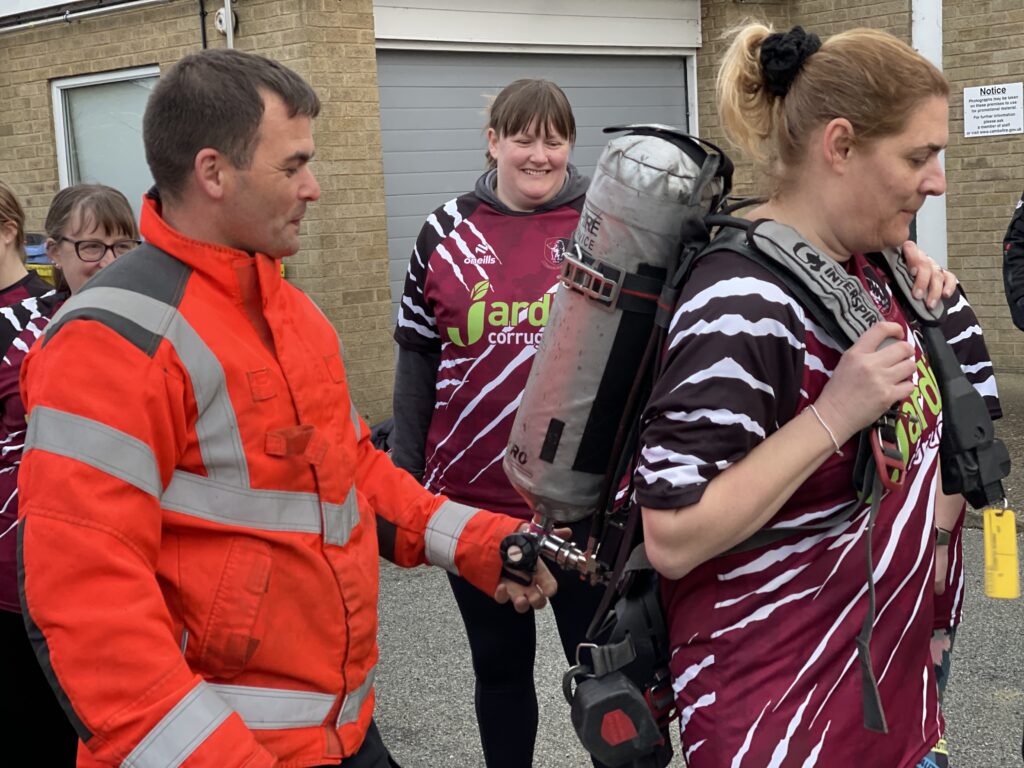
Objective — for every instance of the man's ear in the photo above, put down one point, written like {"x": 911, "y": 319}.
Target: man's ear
{"x": 210, "y": 172}
{"x": 838, "y": 144}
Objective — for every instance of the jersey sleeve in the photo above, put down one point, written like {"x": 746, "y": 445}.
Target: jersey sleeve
{"x": 962, "y": 330}
{"x": 439, "y": 238}
{"x": 102, "y": 443}
{"x": 732, "y": 374}
{"x": 417, "y": 327}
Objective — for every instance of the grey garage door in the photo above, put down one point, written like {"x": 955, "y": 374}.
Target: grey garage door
{"x": 432, "y": 116}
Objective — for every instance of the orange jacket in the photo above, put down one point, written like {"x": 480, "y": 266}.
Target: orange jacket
{"x": 200, "y": 513}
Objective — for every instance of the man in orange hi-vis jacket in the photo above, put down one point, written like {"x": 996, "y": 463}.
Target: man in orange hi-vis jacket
{"x": 202, "y": 509}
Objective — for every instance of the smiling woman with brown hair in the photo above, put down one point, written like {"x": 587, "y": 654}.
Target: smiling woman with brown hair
{"x": 475, "y": 304}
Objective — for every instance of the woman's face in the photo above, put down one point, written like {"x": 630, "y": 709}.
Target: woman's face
{"x": 890, "y": 178}
{"x": 87, "y": 234}
{"x": 531, "y": 166}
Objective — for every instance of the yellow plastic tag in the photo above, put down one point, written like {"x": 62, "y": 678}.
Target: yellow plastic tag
{"x": 1002, "y": 571}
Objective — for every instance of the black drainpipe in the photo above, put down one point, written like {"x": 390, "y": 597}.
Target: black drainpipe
{"x": 202, "y": 20}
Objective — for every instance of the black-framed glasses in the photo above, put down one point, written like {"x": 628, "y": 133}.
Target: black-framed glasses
{"x": 95, "y": 250}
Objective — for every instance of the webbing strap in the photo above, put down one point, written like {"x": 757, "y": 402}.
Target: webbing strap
{"x": 766, "y": 536}
{"x": 611, "y": 657}
{"x": 871, "y": 700}
{"x": 609, "y": 286}
{"x": 837, "y": 299}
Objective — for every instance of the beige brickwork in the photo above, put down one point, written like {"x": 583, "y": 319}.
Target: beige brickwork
{"x": 343, "y": 261}
{"x": 981, "y": 41}
{"x": 717, "y": 18}
{"x": 982, "y": 46}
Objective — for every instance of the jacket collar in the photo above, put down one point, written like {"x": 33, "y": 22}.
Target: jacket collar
{"x": 218, "y": 262}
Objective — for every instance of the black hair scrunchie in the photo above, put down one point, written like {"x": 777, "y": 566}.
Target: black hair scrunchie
{"x": 783, "y": 55}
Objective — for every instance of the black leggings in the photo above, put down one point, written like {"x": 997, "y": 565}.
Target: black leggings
{"x": 503, "y": 644}
{"x": 372, "y": 753}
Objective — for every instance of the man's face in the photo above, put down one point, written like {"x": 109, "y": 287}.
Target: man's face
{"x": 265, "y": 202}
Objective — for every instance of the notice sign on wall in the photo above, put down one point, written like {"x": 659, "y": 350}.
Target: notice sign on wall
{"x": 994, "y": 110}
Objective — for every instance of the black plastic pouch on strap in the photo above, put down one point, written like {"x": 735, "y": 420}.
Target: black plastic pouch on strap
{"x": 623, "y": 699}
{"x": 972, "y": 459}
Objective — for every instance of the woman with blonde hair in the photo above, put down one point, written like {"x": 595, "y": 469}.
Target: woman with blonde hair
{"x": 753, "y": 424}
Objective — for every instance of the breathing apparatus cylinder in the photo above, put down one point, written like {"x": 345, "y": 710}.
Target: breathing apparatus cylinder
{"x": 627, "y": 243}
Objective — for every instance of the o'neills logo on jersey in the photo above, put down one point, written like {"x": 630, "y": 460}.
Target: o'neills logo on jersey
{"x": 487, "y": 316}
{"x": 482, "y": 254}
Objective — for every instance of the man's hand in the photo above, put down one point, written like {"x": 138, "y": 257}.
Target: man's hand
{"x": 526, "y": 596}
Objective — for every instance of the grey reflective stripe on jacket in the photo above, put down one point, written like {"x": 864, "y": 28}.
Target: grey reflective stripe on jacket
{"x": 441, "y": 537}
{"x": 220, "y": 442}
{"x": 265, "y": 709}
{"x": 96, "y": 444}
{"x": 181, "y": 730}
{"x": 224, "y": 495}
{"x": 354, "y": 700}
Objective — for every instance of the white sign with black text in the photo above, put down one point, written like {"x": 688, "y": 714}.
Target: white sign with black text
{"x": 994, "y": 110}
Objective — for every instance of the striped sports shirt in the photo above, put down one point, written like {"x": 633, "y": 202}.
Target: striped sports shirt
{"x": 763, "y": 654}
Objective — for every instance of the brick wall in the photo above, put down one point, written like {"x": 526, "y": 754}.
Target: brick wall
{"x": 985, "y": 176}
{"x": 982, "y": 46}
{"x": 824, "y": 17}
{"x": 717, "y": 18}
{"x": 343, "y": 261}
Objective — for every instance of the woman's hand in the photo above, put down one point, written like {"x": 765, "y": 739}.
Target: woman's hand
{"x": 872, "y": 375}
{"x": 931, "y": 282}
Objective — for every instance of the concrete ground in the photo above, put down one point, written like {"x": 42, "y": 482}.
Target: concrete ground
{"x": 425, "y": 683}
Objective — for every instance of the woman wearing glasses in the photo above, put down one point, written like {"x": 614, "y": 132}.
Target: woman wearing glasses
{"x": 87, "y": 227}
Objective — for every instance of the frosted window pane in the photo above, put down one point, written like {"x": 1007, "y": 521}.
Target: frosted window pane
{"x": 105, "y": 136}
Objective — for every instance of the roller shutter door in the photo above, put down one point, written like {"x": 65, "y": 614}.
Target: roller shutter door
{"x": 432, "y": 117}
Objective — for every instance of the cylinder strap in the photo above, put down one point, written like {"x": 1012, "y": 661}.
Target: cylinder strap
{"x": 609, "y": 287}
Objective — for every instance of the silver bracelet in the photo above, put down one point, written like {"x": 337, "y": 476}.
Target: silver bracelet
{"x": 838, "y": 451}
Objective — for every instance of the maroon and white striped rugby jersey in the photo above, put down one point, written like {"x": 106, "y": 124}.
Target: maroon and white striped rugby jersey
{"x": 479, "y": 289}
{"x": 763, "y": 653}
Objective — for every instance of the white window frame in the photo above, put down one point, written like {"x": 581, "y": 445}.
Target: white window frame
{"x": 57, "y": 93}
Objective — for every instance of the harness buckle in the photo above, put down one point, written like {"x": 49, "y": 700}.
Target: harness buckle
{"x": 889, "y": 463}
{"x": 662, "y": 700}
{"x": 589, "y": 280}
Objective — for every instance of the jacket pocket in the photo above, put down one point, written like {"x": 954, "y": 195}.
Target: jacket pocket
{"x": 231, "y": 637}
